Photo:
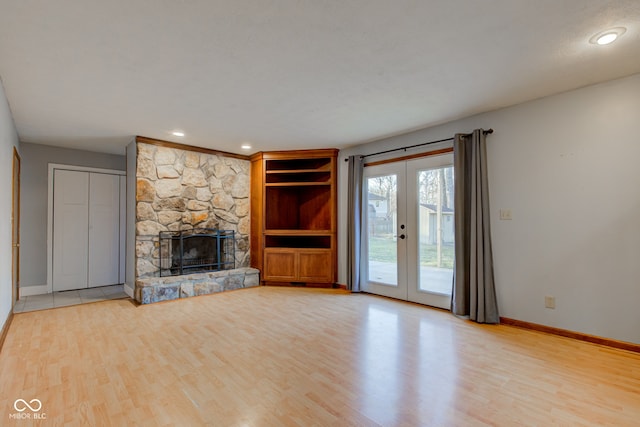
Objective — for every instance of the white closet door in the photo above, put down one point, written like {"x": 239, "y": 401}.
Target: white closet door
{"x": 104, "y": 229}
{"x": 70, "y": 233}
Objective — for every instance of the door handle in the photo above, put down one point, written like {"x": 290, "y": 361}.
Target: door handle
{"x": 402, "y": 236}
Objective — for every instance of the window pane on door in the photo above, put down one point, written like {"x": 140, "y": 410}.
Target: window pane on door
{"x": 436, "y": 230}
{"x": 381, "y": 229}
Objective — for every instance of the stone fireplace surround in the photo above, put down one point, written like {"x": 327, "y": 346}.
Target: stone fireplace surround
{"x": 179, "y": 189}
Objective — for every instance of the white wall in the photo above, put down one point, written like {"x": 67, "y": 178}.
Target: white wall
{"x": 8, "y": 140}
{"x": 33, "y": 193}
{"x": 568, "y": 167}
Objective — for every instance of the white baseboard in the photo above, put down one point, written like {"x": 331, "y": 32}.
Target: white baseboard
{"x": 128, "y": 290}
{"x": 28, "y": 291}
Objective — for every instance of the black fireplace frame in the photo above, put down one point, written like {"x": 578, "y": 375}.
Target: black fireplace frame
{"x": 170, "y": 266}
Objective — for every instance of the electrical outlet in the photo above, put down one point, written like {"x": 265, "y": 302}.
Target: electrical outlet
{"x": 505, "y": 214}
{"x": 550, "y": 302}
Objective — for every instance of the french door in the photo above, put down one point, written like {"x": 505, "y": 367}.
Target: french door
{"x": 409, "y": 230}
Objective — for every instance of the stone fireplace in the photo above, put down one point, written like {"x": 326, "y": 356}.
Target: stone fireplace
{"x": 179, "y": 193}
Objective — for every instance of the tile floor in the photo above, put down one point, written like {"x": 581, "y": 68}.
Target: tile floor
{"x": 65, "y": 298}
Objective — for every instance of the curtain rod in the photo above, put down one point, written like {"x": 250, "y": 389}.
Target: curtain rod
{"x": 486, "y": 132}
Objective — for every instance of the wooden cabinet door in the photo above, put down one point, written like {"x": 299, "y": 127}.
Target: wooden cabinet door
{"x": 315, "y": 265}
{"x": 279, "y": 265}
{"x": 298, "y": 265}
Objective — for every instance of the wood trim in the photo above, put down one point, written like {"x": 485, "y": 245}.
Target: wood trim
{"x": 256, "y": 236}
{"x": 186, "y": 147}
{"x": 296, "y": 154}
{"x": 15, "y": 223}
{"x": 5, "y": 329}
{"x": 340, "y": 286}
{"x": 411, "y": 156}
{"x": 623, "y": 345}
{"x": 298, "y": 284}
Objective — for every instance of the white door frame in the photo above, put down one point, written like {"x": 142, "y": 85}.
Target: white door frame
{"x": 52, "y": 168}
{"x": 15, "y": 227}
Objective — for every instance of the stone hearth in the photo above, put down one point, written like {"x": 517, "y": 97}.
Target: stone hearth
{"x": 156, "y": 289}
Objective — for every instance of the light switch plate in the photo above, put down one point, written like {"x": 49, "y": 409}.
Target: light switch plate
{"x": 505, "y": 214}
{"x": 549, "y": 302}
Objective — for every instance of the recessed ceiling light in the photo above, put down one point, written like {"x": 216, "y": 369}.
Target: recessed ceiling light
{"x": 607, "y": 36}
{"x": 177, "y": 133}
{"x": 246, "y": 146}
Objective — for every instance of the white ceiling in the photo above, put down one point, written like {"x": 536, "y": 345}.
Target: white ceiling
{"x": 288, "y": 74}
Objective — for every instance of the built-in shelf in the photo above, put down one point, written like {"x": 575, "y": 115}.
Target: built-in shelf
{"x": 284, "y": 171}
{"x": 293, "y": 216}
{"x": 319, "y": 242}
{"x": 298, "y": 165}
{"x": 285, "y": 232}
{"x": 298, "y": 208}
{"x": 296, "y": 184}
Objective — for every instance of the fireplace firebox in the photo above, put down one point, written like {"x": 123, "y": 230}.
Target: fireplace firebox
{"x": 196, "y": 250}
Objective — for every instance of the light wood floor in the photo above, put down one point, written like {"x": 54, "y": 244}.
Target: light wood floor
{"x": 290, "y": 356}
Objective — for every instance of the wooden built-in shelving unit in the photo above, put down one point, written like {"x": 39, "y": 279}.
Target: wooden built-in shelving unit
{"x": 293, "y": 216}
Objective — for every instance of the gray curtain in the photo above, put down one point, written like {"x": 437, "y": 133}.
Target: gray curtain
{"x": 474, "y": 292}
{"x": 354, "y": 223}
